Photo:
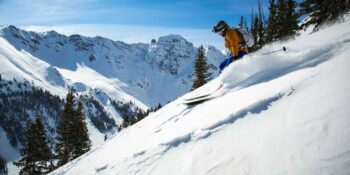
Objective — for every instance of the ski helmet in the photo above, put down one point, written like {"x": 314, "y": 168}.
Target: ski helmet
{"x": 220, "y": 25}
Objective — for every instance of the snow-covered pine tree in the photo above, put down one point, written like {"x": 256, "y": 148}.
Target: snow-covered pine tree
{"x": 201, "y": 74}
{"x": 36, "y": 154}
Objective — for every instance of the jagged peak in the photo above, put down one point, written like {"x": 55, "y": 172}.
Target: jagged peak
{"x": 210, "y": 48}
{"x": 52, "y": 34}
{"x": 10, "y": 27}
{"x": 5, "y": 28}
{"x": 172, "y": 38}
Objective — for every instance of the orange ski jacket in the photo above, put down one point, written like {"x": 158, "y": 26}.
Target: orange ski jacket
{"x": 233, "y": 42}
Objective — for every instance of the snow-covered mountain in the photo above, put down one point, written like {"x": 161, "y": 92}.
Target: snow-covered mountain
{"x": 148, "y": 72}
{"x": 283, "y": 113}
{"x": 37, "y": 69}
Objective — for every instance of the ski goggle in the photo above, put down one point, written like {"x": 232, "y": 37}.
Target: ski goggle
{"x": 220, "y": 32}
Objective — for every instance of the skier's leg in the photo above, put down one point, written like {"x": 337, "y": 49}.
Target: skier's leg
{"x": 240, "y": 55}
{"x": 222, "y": 65}
{"x": 229, "y": 60}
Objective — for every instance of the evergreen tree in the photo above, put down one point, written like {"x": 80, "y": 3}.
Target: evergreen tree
{"x": 136, "y": 117}
{"x": 255, "y": 30}
{"x": 322, "y": 11}
{"x": 281, "y": 29}
{"x": 258, "y": 28}
{"x": 65, "y": 139}
{"x": 291, "y": 18}
{"x": 201, "y": 68}
{"x": 271, "y": 23}
{"x": 241, "y": 22}
{"x": 252, "y": 16}
{"x": 80, "y": 135}
{"x": 246, "y": 24}
{"x": 261, "y": 25}
{"x": 159, "y": 105}
{"x": 3, "y": 166}
{"x": 141, "y": 115}
{"x": 125, "y": 123}
{"x": 286, "y": 24}
{"x": 36, "y": 153}
{"x": 133, "y": 120}
{"x": 73, "y": 138}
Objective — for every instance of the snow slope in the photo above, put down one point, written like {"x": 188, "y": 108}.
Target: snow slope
{"x": 23, "y": 66}
{"x": 285, "y": 113}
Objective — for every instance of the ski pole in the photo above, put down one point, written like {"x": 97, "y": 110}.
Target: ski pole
{"x": 283, "y": 49}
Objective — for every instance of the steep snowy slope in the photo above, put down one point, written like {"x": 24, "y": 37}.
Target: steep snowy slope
{"x": 285, "y": 113}
{"x": 22, "y": 66}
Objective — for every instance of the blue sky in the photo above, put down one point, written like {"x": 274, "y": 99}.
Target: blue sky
{"x": 130, "y": 21}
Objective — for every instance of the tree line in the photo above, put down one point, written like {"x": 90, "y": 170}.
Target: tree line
{"x": 19, "y": 101}
{"x": 284, "y": 18}
{"x": 131, "y": 114}
{"x": 72, "y": 140}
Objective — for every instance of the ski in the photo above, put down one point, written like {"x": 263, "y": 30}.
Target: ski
{"x": 200, "y": 98}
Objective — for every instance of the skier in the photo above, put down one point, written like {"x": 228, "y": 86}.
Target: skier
{"x": 232, "y": 42}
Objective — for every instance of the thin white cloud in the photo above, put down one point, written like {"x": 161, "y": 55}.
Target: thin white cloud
{"x": 44, "y": 11}
{"x": 134, "y": 33}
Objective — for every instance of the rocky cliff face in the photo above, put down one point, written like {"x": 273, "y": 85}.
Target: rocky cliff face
{"x": 170, "y": 53}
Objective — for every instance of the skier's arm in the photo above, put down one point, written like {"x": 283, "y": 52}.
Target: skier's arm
{"x": 232, "y": 42}
{"x": 235, "y": 43}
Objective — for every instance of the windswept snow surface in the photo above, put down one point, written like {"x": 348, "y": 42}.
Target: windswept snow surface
{"x": 284, "y": 113}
